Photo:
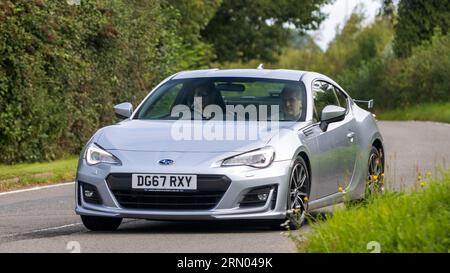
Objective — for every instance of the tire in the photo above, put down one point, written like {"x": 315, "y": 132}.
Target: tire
{"x": 375, "y": 175}
{"x": 96, "y": 223}
{"x": 298, "y": 194}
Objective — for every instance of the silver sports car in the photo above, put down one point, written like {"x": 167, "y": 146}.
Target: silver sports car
{"x": 231, "y": 144}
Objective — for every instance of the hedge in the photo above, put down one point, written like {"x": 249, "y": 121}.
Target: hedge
{"x": 63, "y": 67}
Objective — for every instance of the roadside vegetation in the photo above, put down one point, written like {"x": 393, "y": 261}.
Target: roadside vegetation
{"x": 63, "y": 67}
{"x": 439, "y": 112}
{"x": 415, "y": 221}
{"x": 33, "y": 174}
{"x": 395, "y": 60}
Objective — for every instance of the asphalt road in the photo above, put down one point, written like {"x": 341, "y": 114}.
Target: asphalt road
{"x": 43, "y": 220}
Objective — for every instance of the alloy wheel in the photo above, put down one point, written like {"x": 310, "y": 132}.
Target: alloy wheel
{"x": 375, "y": 183}
{"x": 298, "y": 194}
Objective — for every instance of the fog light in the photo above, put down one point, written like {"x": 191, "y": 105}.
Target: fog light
{"x": 89, "y": 193}
{"x": 262, "y": 196}
{"x": 257, "y": 197}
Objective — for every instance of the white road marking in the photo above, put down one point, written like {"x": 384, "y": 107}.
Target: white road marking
{"x": 54, "y": 228}
{"x": 40, "y": 230}
{"x": 37, "y": 188}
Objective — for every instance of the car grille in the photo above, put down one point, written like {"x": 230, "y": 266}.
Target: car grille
{"x": 210, "y": 189}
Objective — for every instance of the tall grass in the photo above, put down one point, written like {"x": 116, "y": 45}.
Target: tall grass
{"x": 439, "y": 112}
{"x": 30, "y": 174}
{"x": 417, "y": 221}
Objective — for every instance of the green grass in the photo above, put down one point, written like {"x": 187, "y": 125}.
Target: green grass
{"x": 32, "y": 174}
{"x": 439, "y": 112}
{"x": 417, "y": 221}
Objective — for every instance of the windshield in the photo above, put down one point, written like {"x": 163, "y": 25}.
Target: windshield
{"x": 226, "y": 99}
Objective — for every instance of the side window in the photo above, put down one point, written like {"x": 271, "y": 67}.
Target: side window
{"x": 323, "y": 95}
{"x": 341, "y": 98}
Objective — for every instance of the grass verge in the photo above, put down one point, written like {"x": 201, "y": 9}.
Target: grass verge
{"x": 439, "y": 112}
{"x": 32, "y": 174}
{"x": 417, "y": 221}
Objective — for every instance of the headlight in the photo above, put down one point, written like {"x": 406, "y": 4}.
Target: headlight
{"x": 260, "y": 158}
{"x": 96, "y": 155}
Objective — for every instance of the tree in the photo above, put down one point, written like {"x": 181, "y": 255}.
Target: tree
{"x": 417, "y": 21}
{"x": 194, "y": 15}
{"x": 387, "y": 9}
{"x": 242, "y": 30}
{"x": 189, "y": 17}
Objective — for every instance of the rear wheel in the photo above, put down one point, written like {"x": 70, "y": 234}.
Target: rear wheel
{"x": 375, "y": 176}
{"x": 97, "y": 223}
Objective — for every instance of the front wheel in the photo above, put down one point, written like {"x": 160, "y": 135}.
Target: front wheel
{"x": 299, "y": 190}
{"x": 97, "y": 223}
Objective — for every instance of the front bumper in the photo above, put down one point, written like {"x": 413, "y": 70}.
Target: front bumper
{"x": 243, "y": 180}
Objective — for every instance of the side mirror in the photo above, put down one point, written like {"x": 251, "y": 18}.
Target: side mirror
{"x": 123, "y": 110}
{"x": 330, "y": 114}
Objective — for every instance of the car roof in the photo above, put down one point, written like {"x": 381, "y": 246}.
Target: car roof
{"x": 281, "y": 74}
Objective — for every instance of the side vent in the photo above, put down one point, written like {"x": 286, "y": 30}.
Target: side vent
{"x": 308, "y": 132}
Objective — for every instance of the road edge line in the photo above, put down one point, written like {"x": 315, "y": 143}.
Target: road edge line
{"x": 38, "y": 188}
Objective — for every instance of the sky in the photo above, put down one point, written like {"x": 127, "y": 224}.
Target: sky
{"x": 337, "y": 13}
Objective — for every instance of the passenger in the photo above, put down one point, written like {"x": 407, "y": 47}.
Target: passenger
{"x": 291, "y": 103}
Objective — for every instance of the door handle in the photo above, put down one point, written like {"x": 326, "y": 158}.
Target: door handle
{"x": 350, "y": 136}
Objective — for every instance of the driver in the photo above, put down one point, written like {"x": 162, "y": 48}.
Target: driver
{"x": 207, "y": 93}
{"x": 291, "y": 103}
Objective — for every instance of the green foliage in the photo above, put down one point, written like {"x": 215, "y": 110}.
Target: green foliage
{"x": 387, "y": 9}
{"x": 439, "y": 112}
{"x": 353, "y": 46}
{"x": 245, "y": 30}
{"x": 400, "y": 222}
{"x": 361, "y": 60}
{"x": 62, "y": 68}
{"x": 426, "y": 71}
{"x": 32, "y": 174}
{"x": 417, "y": 21}
{"x": 191, "y": 17}
{"x": 399, "y": 83}
{"x": 194, "y": 16}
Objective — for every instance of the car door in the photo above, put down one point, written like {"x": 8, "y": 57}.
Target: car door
{"x": 337, "y": 145}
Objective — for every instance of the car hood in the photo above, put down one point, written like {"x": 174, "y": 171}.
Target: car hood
{"x": 156, "y": 136}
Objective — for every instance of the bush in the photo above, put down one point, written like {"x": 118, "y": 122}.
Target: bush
{"x": 426, "y": 71}
{"x": 63, "y": 67}
{"x": 362, "y": 61}
{"x": 399, "y": 83}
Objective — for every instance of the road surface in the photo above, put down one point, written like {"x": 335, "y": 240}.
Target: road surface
{"x": 43, "y": 220}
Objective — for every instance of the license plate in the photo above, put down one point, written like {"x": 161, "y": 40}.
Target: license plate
{"x": 164, "y": 182}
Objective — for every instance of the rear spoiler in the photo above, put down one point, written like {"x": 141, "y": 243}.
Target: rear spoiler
{"x": 368, "y": 102}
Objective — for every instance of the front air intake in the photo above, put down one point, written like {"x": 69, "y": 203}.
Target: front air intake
{"x": 210, "y": 190}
